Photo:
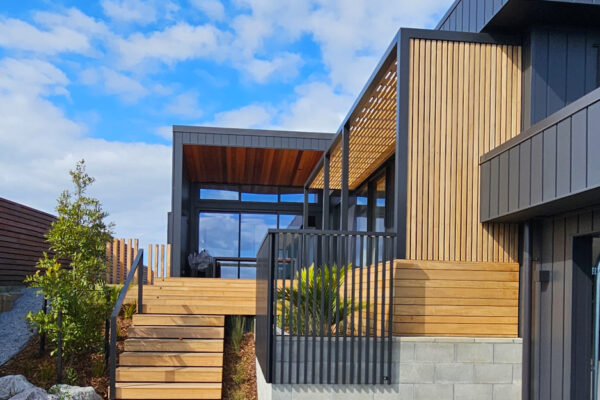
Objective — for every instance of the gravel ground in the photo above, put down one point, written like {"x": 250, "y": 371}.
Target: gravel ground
{"x": 14, "y": 332}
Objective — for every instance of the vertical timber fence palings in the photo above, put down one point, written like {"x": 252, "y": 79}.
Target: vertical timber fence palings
{"x": 324, "y": 307}
{"x": 121, "y": 252}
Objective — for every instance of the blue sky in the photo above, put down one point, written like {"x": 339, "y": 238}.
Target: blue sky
{"x": 106, "y": 80}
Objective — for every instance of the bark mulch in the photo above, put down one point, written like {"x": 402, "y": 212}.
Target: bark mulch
{"x": 239, "y": 371}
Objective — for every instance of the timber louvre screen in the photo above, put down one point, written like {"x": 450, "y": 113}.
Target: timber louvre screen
{"x": 470, "y": 95}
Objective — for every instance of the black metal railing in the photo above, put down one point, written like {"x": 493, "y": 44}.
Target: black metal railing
{"x": 324, "y": 307}
{"x": 223, "y": 266}
{"x": 137, "y": 265}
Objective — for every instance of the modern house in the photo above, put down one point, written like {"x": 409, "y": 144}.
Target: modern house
{"x": 453, "y": 218}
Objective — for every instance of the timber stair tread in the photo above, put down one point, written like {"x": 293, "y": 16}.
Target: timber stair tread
{"x": 174, "y": 348}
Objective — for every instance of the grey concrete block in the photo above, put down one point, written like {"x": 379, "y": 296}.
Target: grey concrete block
{"x": 468, "y": 391}
{"x": 434, "y": 391}
{"x": 311, "y": 392}
{"x": 517, "y": 373}
{"x": 508, "y": 353}
{"x": 279, "y": 392}
{"x": 475, "y": 352}
{"x": 354, "y": 392}
{"x": 434, "y": 352}
{"x": 394, "y": 392}
{"x": 416, "y": 373}
{"x": 507, "y": 392}
{"x": 492, "y": 373}
{"x": 406, "y": 354}
{"x": 453, "y": 373}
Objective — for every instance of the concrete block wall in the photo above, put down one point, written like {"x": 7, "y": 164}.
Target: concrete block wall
{"x": 426, "y": 368}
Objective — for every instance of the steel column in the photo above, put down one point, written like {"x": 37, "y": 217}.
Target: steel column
{"x": 526, "y": 321}
{"x": 344, "y": 183}
{"x": 325, "y": 223}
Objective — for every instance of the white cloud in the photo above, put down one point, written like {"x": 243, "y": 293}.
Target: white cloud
{"x": 185, "y": 105}
{"x": 39, "y": 144}
{"x": 19, "y": 35}
{"x": 176, "y": 43}
{"x": 139, "y": 11}
{"x": 281, "y": 67}
{"x": 250, "y": 116}
{"x": 165, "y": 132}
{"x": 213, "y": 9}
{"x": 129, "y": 89}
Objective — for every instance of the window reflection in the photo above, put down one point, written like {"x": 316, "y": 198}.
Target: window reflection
{"x": 254, "y": 227}
{"x": 218, "y": 194}
{"x": 260, "y": 197}
{"x": 297, "y": 197}
{"x": 289, "y": 221}
{"x": 218, "y": 234}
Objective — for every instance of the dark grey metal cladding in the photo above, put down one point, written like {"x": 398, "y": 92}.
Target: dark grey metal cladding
{"x": 470, "y": 15}
{"x": 254, "y": 138}
{"x": 564, "y": 67}
{"x": 559, "y": 304}
{"x": 547, "y": 167}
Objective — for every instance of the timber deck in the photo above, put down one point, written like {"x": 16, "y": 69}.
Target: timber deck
{"x": 174, "y": 350}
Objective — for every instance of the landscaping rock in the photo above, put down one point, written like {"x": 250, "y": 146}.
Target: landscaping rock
{"x": 75, "y": 392}
{"x": 12, "y": 385}
{"x": 34, "y": 393}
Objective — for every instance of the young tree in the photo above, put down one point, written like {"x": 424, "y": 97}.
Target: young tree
{"x": 78, "y": 238}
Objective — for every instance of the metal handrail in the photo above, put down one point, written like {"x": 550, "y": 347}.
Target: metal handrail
{"x": 137, "y": 262}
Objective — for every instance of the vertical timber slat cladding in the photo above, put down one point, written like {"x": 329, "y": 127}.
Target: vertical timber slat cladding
{"x": 464, "y": 101}
{"x": 22, "y": 241}
{"x": 442, "y": 298}
{"x": 558, "y": 304}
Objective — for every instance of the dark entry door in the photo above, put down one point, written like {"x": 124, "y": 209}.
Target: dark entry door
{"x": 586, "y": 251}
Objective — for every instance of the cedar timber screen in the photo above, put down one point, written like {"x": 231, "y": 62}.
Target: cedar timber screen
{"x": 461, "y": 276}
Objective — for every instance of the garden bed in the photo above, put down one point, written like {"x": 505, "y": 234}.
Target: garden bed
{"x": 239, "y": 370}
{"x": 85, "y": 370}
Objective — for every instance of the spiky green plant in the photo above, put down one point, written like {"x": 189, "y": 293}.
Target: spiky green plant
{"x": 315, "y": 303}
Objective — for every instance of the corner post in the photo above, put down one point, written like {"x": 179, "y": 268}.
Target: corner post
{"x": 401, "y": 160}
{"x": 305, "y": 209}
{"x": 325, "y": 223}
{"x": 344, "y": 186}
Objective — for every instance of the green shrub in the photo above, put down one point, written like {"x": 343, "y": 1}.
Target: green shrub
{"x": 237, "y": 332}
{"x": 129, "y": 309}
{"x": 98, "y": 368}
{"x": 46, "y": 372}
{"x": 314, "y": 286}
{"x": 70, "y": 377}
{"x": 80, "y": 291}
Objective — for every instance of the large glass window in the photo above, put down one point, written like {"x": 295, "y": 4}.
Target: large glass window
{"x": 297, "y": 197}
{"x": 379, "y": 211}
{"x": 218, "y": 234}
{"x": 361, "y": 223}
{"x": 218, "y": 194}
{"x": 290, "y": 221}
{"x": 254, "y": 227}
{"x": 260, "y": 197}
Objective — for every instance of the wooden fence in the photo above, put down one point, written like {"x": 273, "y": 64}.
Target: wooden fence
{"x": 22, "y": 240}
{"x": 120, "y": 254}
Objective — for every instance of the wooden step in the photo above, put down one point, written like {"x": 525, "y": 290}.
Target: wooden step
{"x": 169, "y": 374}
{"x": 177, "y": 320}
{"x": 176, "y": 332}
{"x": 217, "y": 301}
{"x": 159, "y": 391}
{"x": 148, "y": 359}
{"x": 200, "y": 309}
{"x": 175, "y": 345}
